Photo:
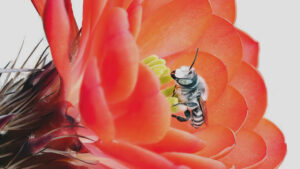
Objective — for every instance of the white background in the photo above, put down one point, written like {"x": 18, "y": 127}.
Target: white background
{"x": 275, "y": 24}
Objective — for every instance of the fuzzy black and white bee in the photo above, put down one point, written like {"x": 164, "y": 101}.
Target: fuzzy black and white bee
{"x": 191, "y": 90}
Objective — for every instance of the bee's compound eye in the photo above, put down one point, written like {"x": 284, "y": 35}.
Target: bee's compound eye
{"x": 185, "y": 81}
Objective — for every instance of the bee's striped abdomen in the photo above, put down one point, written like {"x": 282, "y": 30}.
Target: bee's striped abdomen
{"x": 197, "y": 117}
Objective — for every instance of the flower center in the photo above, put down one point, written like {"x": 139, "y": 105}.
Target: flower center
{"x": 158, "y": 66}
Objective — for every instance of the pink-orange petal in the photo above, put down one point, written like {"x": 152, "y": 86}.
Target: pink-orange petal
{"x": 39, "y": 6}
{"x": 276, "y": 146}
{"x": 120, "y": 3}
{"x": 250, "y": 84}
{"x": 222, "y": 40}
{"x": 93, "y": 107}
{"x": 177, "y": 141}
{"x": 207, "y": 66}
{"x": 56, "y": 18}
{"x": 153, "y": 116}
{"x": 225, "y": 9}
{"x": 147, "y": 86}
{"x": 194, "y": 161}
{"x": 147, "y": 116}
{"x": 135, "y": 155}
{"x": 92, "y": 12}
{"x": 118, "y": 58}
{"x": 73, "y": 24}
{"x": 95, "y": 154}
{"x": 219, "y": 141}
{"x": 176, "y": 26}
{"x": 230, "y": 110}
{"x": 250, "y": 149}
{"x": 250, "y": 49}
{"x": 135, "y": 17}
{"x": 150, "y": 6}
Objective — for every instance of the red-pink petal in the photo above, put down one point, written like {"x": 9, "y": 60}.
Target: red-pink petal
{"x": 230, "y": 110}
{"x": 92, "y": 12}
{"x": 177, "y": 141}
{"x": 117, "y": 57}
{"x": 224, "y": 8}
{"x": 250, "y": 84}
{"x": 150, "y": 6}
{"x": 222, "y": 40}
{"x": 120, "y": 3}
{"x": 59, "y": 34}
{"x": 135, "y": 17}
{"x": 250, "y": 149}
{"x": 194, "y": 161}
{"x": 176, "y": 27}
{"x": 147, "y": 112}
{"x": 39, "y": 6}
{"x": 250, "y": 49}
{"x": 135, "y": 155}
{"x": 276, "y": 146}
{"x": 95, "y": 154}
{"x": 93, "y": 107}
{"x": 219, "y": 141}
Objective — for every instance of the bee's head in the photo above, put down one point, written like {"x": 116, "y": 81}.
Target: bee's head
{"x": 184, "y": 76}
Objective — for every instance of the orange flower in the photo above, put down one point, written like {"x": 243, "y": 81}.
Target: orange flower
{"x": 119, "y": 97}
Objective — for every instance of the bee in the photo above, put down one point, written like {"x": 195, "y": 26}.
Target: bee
{"x": 191, "y": 90}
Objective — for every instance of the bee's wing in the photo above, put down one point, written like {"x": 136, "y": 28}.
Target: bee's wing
{"x": 202, "y": 103}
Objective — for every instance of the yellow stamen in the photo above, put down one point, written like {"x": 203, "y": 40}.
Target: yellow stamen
{"x": 158, "y": 66}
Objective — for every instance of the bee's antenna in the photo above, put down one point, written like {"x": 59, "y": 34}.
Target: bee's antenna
{"x": 194, "y": 59}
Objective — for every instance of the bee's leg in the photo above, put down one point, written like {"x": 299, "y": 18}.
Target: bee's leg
{"x": 174, "y": 91}
{"x": 187, "y": 114}
{"x": 177, "y": 104}
{"x": 188, "y": 104}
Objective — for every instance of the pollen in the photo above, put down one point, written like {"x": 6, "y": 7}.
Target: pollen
{"x": 158, "y": 66}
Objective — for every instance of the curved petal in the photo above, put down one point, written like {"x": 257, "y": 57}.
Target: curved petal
{"x": 222, "y": 40}
{"x": 194, "y": 161}
{"x": 147, "y": 86}
{"x": 230, "y": 110}
{"x": 135, "y": 155}
{"x": 147, "y": 116}
{"x": 276, "y": 146}
{"x": 39, "y": 6}
{"x": 219, "y": 141}
{"x": 177, "y": 141}
{"x": 135, "y": 17}
{"x": 121, "y": 3}
{"x": 250, "y": 49}
{"x": 250, "y": 84}
{"x": 96, "y": 155}
{"x": 56, "y": 18}
{"x": 225, "y": 9}
{"x": 150, "y": 6}
{"x": 176, "y": 26}
{"x": 92, "y": 12}
{"x": 207, "y": 66}
{"x": 93, "y": 107}
{"x": 250, "y": 149}
{"x": 117, "y": 58}
{"x": 73, "y": 24}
